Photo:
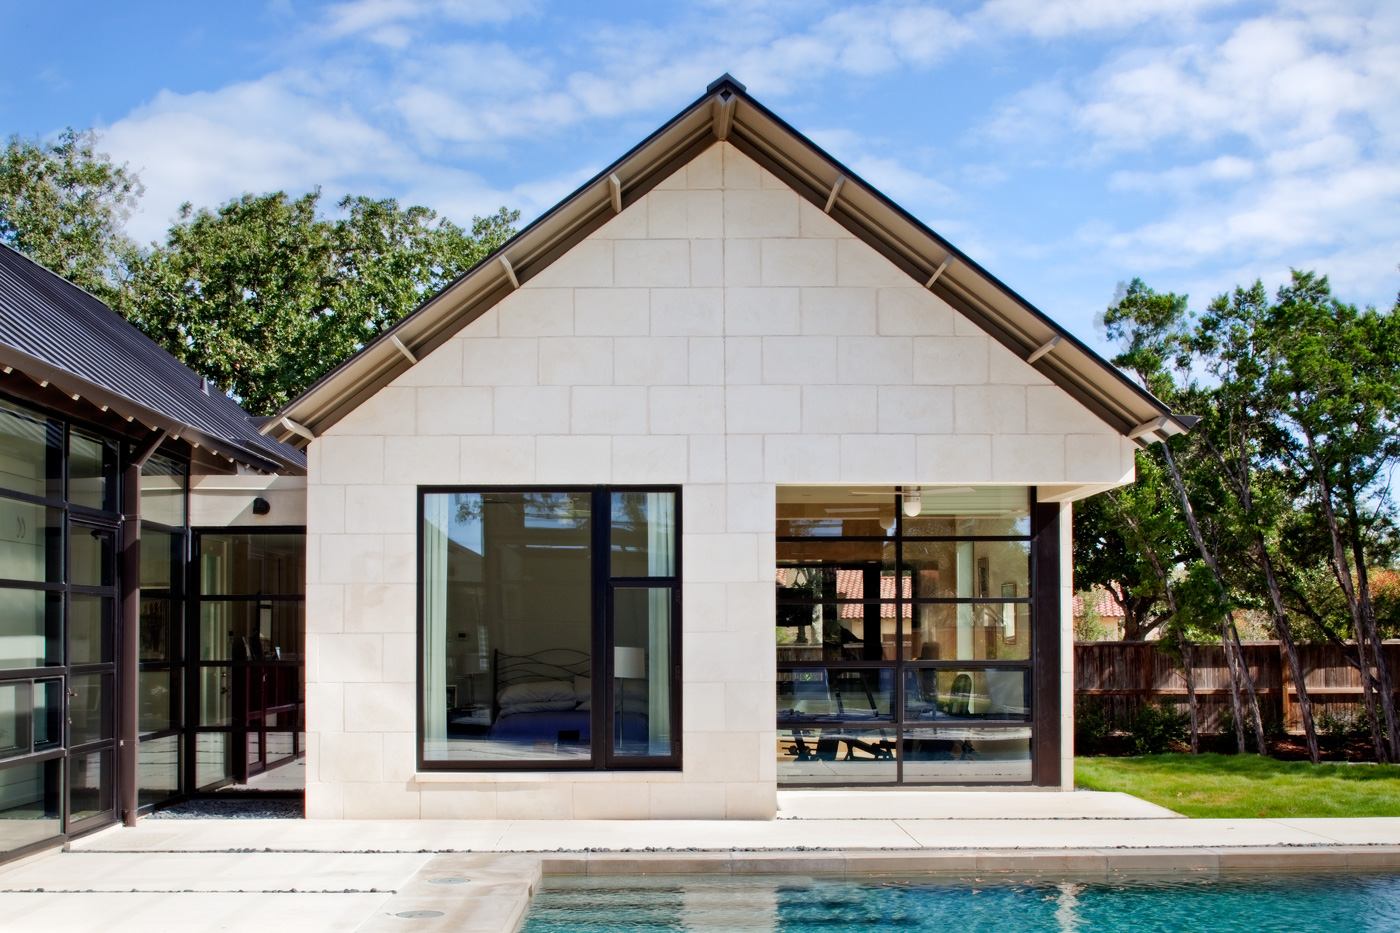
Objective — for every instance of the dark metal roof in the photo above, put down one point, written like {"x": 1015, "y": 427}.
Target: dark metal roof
{"x": 52, "y": 330}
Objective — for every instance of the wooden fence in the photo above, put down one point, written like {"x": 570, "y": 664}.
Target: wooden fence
{"x": 1121, "y": 675}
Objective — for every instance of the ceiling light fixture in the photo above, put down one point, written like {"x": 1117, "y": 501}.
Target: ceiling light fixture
{"x": 913, "y": 501}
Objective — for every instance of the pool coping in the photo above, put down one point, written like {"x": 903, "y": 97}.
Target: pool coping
{"x": 502, "y": 885}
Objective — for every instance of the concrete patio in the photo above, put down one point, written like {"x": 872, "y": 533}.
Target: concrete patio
{"x": 310, "y": 876}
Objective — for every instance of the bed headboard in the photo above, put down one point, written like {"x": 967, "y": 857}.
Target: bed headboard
{"x": 549, "y": 664}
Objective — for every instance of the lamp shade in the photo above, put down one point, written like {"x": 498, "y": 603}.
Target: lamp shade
{"x": 630, "y": 663}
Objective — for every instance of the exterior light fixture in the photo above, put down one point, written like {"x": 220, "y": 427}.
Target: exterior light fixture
{"x": 913, "y": 501}
{"x": 261, "y": 506}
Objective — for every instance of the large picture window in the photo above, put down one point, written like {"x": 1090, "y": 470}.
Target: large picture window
{"x": 904, "y": 636}
{"x": 549, "y": 628}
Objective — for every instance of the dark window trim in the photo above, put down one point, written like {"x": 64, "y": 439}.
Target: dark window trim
{"x": 601, "y": 755}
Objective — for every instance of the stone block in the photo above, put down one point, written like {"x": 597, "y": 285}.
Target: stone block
{"x": 739, "y": 170}
{"x": 454, "y": 410}
{"x": 1028, "y": 458}
{"x": 325, "y": 508}
{"x": 743, "y": 458}
{"x": 838, "y": 311}
{"x": 391, "y": 410}
{"x": 376, "y": 608}
{"x": 875, "y": 360}
{"x": 374, "y": 510}
{"x": 1049, "y": 409}
{"x": 706, "y": 263}
{"x": 611, "y": 800}
{"x": 705, "y": 509}
{"x": 422, "y": 460}
{"x": 688, "y": 801}
{"x": 802, "y": 458}
{"x": 687, "y": 312}
{"x": 751, "y": 507}
{"x": 612, "y": 312}
{"x": 501, "y": 361}
{"x": 763, "y": 409}
{"x": 649, "y": 459}
{"x": 631, "y": 224}
{"x": 441, "y": 367}
{"x": 989, "y": 409}
{"x": 916, "y": 410}
{"x": 950, "y": 361}
{"x": 1094, "y": 458}
{"x": 795, "y": 360}
{"x": 703, "y": 703}
{"x": 859, "y": 264}
{"x": 686, "y": 409}
{"x": 814, "y": 222}
{"x": 761, "y": 312}
{"x": 706, "y": 361}
{"x": 574, "y": 459}
{"x": 707, "y": 169}
{"x": 380, "y": 708}
{"x": 609, "y": 410}
{"x": 652, "y": 263}
{"x": 720, "y": 558}
{"x": 838, "y": 409}
{"x": 707, "y": 458}
{"x": 536, "y": 801}
{"x": 537, "y": 312}
{"x": 953, "y": 458}
{"x": 457, "y": 802}
{"x": 799, "y": 262}
{"x": 325, "y": 608}
{"x": 743, "y": 360}
{"x": 493, "y": 460}
{"x": 1009, "y": 369}
{"x": 325, "y": 708}
{"x": 571, "y": 361}
{"x": 350, "y": 558}
{"x": 381, "y": 802}
{"x": 531, "y": 410}
{"x": 646, "y": 361}
{"x": 743, "y": 263}
{"x": 351, "y": 658}
{"x": 876, "y": 458}
{"x": 588, "y": 264}
{"x": 760, "y": 213}
{"x": 350, "y": 758}
{"x": 686, "y": 214}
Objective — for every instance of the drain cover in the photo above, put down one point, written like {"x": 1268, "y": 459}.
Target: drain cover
{"x": 418, "y": 914}
{"x": 448, "y": 880}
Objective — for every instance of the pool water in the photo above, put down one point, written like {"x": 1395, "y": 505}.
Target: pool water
{"x": 1172, "y": 904}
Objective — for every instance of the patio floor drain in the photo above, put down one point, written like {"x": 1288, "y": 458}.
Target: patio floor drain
{"x": 448, "y": 880}
{"x": 418, "y": 914}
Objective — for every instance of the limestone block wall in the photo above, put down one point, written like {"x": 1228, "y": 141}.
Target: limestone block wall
{"x": 721, "y": 334}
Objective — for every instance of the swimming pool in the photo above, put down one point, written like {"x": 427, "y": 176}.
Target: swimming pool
{"x": 995, "y": 904}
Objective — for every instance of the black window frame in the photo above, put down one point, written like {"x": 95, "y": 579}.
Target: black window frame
{"x": 602, "y": 754}
{"x": 1042, "y": 674}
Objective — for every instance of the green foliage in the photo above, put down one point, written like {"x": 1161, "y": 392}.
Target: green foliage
{"x": 1236, "y": 786}
{"x": 1091, "y": 725}
{"x": 265, "y": 296}
{"x": 63, "y": 204}
{"x": 1156, "y": 728}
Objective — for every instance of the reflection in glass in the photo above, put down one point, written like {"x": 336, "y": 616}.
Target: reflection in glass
{"x": 215, "y": 703}
{"x": 832, "y": 694}
{"x": 836, "y": 755}
{"x": 968, "y": 755}
{"x": 48, "y": 714}
{"x": 31, "y": 542}
{"x": 162, "y": 492}
{"x": 936, "y": 695}
{"x": 89, "y": 719}
{"x": 92, "y": 472}
{"x": 967, "y": 569}
{"x": 160, "y": 628}
{"x": 93, "y": 556}
{"x": 159, "y": 700}
{"x": 969, "y": 632}
{"x": 251, "y": 630}
{"x": 15, "y": 719}
{"x": 31, "y": 804}
{"x": 966, "y": 511}
{"x": 815, "y": 511}
{"x": 642, "y": 671}
{"x": 90, "y": 629}
{"x": 242, "y": 564}
{"x": 89, "y": 785}
{"x": 31, "y": 453}
{"x": 158, "y": 770}
{"x": 507, "y": 609}
{"x": 211, "y": 759}
{"x": 643, "y": 534}
{"x": 33, "y": 622}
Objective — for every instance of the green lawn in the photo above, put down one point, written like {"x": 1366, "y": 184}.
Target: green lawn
{"x": 1247, "y": 785}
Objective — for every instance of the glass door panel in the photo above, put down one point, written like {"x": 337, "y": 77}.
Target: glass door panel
{"x": 641, "y": 656}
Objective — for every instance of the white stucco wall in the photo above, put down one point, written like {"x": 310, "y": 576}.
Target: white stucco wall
{"x": 722, "y": 334}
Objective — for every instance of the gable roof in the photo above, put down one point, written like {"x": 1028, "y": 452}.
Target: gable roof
{"x": 50, "y": 329}
{"x": 726, "y": 112}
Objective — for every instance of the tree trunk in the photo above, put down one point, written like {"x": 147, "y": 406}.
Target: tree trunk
{"x": 1190, "y": 670}
{"x": 1290, "y": 651}
{"x": 1385, "y": 686}
{"x": 1248, "y": 680}
{"x": 1343, "y": 571}
{"x": 1239, "y": 673}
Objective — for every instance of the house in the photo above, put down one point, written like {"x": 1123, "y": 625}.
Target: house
{"x": 725, "y": 474}
{"x": 151, "y": 572}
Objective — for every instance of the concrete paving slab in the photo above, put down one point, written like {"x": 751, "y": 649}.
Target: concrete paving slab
{"x": 965, "y": 805}
{"x": 234, "y": 871}
{"x": 219, "y": 912}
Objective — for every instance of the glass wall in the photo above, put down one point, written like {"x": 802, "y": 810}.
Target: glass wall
{"x": 164, "y": 547}
{"x": 247, "y": 633}
{"x": 549, "y": 628}
{"x": 59, "y": 514}
{"x": 904, "y": 639}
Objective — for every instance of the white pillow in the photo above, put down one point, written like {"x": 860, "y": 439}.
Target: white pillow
{"x": 539, "y": 691}
{"x": 536, "y": 706}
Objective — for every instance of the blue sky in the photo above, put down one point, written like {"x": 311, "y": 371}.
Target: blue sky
{"x": 1066, "y": 146}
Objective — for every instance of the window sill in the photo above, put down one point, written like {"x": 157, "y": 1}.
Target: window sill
{"x": 545, "y": 777}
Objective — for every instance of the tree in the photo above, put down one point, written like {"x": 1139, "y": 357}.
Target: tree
{"x": 63, "y": 205}
{"x": 265, "y": 296}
